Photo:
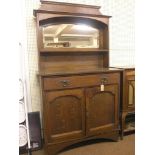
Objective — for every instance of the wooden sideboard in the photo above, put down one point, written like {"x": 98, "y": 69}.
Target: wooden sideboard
{"x": 75, "y": 108}
{"x": 81, "y": 94}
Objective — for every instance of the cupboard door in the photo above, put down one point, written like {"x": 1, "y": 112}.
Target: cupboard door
{"x": 102, "y": 109}
{"x": 64, "y": 115}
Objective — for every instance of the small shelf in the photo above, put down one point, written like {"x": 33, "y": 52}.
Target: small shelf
{"x": 72, "y": 50}
{"x": 130, "y": 122}
{"x": 130, "y": 127}
{"x": 129, "y": 130}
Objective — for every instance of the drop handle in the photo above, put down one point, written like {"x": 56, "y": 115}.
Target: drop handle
{"x": 104, "y": 80}
{"x": 65, "y": 83}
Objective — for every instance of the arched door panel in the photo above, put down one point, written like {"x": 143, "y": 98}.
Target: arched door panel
{"x": 65, "y": 115}
{"x": 102, "y": 109}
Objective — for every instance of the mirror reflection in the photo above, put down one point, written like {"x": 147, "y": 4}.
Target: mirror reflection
{"x": 70, "y": 36}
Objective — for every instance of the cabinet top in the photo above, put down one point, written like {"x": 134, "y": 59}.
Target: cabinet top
{"x": 82, "y": 72}
{"x": 124, "y": 67}
{"x": 68, "y": 8}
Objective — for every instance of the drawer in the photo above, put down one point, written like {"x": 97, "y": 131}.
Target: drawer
{"x": 52, "y": 83}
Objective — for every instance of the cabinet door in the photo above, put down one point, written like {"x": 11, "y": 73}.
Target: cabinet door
{"x": 102, "y": 109}
{"x": 64, "y": 115}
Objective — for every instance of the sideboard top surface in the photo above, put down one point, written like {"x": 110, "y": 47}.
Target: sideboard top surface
{"x": 82, "y": 72}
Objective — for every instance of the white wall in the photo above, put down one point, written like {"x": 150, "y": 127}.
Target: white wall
{"x": 122, "y": 48}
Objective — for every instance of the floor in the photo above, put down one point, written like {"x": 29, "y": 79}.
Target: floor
{"x": 122, "y": 147}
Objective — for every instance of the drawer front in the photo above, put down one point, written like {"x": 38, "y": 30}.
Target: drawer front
{"x": 53, "y": 83}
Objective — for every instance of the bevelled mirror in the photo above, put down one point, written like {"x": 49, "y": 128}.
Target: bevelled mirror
{"x": 70, "y": 36}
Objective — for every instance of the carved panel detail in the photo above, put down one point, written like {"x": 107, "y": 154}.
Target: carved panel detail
{"x": 65, "y": 113}
{"x": 101, "y": 105}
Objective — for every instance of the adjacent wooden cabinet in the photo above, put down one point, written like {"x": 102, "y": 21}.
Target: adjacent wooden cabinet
{"x": 81, "y": 94}
{"x": 128, "y": 100}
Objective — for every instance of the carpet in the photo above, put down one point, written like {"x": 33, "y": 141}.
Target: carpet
{"x": 102, "y": 147}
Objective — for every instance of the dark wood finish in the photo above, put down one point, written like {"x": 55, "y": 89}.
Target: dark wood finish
{"x": 128, "y": 97}
{"x": 63, "y": 12}
{"x": 79, "y": 81}
{"x": 65, "y": 117}
{"x": 55, "y": 148}
{"x": 73, "y": 114}
{"x": 75, "y": 108}
{"x": 71, "y": 62}
{"x": 99, "y": 104}
{"x": 71, "y": 50}
{"x": 68, "y": 8}
{"x": 55, "y": 12}
{"x": 79, "y": 72}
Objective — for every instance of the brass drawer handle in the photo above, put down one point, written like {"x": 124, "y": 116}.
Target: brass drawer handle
{"x": 104, "y": 80}
{"x": 65, "y": 83}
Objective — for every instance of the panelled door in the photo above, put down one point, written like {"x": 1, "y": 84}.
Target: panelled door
{"x": 102, "y": 109}
{"x": 64, "y": 115}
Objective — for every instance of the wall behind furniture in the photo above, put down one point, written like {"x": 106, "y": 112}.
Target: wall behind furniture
{"x": 122, "y": 48}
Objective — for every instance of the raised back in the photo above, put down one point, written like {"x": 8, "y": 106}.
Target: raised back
{"x": 61, "y": 50}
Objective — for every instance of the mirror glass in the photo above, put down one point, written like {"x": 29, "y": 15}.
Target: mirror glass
{"x": 70, "y": 36}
